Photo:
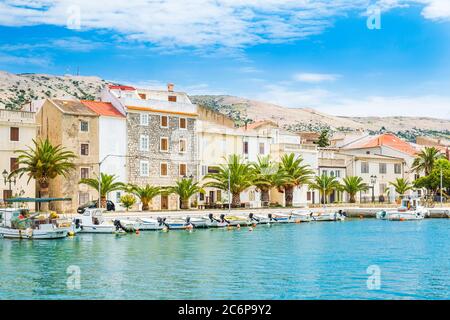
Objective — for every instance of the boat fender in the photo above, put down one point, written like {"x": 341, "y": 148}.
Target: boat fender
{"x": 138, "y": 232}
{"x": 250, "y": 229}
{"x": 71, "y": 233}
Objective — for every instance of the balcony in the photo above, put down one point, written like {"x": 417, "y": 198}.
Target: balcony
{"x": 159, "y": 105}
{"x": 14, "y": 116}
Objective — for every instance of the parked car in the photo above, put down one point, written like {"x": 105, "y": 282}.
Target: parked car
{"x": 110, "y": 206}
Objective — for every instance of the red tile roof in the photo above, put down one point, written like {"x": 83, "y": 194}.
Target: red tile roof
{"x": 102, "y": 108}
{"x": 386, "y": 139}
{"x": 119, "y": 87}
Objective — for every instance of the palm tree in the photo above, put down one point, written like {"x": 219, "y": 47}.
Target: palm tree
{"x": 401, "y": 185}
{"x": 145, "y": 194}
{"x": 295, "y": 174}
{"x": 238, "y": 174}
{"x": 107, "y": 184}
{"x": 352, "y": 185}
{"x": 267, "y": 176}
{"x": 185, "y": 189}
{"x": 43, "y": 163}
{"x": 425, "y": 160}
{"x": 326, "y": 185}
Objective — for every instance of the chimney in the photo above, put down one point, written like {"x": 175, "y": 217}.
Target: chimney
{"x": 170, "y": 87}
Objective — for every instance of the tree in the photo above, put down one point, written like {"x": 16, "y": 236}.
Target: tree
{"x": 145, "y": 194}
{"x": 185, "y": 189}
{"x": 108, "y": 184}
{"x": 43, "y": 163}
{"x": 326, "y": 185}
{"x": 238, "y": 173}
{"x": 401, "y": 185}
{"x": 127, "y": 200}
{"x": 432, "y": 182}
{"x": 323, "y": 140}
{"x": 352, "y": 185}
{"x": 295, "y": 174}
{"x": 425, "y": 160}
{"x": 267, "y": 176}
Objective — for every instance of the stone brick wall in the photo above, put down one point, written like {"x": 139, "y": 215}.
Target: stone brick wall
{"x": 155, "y": 156}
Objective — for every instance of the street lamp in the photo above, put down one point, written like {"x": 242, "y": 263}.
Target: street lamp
{"x": 9, "y": 178}
{"x": 373, "y": 180}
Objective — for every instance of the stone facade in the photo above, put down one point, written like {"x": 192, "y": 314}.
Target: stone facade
{"x": 153, "y": 156}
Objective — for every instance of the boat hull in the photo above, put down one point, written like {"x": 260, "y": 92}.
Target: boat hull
{"x": 32, "y": 235}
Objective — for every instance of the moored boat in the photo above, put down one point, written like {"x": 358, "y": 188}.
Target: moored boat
{"x": 213, "y": 222}
{"x": 92, "y": 221}
{"x": 410, "y": 209}
{"x": 20, "y": 224}
{"x": 329, "y": 216}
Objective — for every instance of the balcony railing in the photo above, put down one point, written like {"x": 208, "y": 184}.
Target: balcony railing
{"x": 16, "y": 116}
{"x": 161, "y": 105}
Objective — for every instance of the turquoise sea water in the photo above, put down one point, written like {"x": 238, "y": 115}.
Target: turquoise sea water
{"x": 325, "y": 260}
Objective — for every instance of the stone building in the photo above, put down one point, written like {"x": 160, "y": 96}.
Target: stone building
{"x": 161, "y": 137}
{"x": 74, "y": 126}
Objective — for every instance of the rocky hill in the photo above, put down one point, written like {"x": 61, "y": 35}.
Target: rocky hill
{"x": 305, "y": 119}
{"x": 18, "y": 89}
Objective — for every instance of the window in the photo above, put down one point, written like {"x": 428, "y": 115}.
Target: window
{"x": 219, "y": 195}
{"x": 204, "y": 170}
{"x": 325, "y": 172}
{"x": 163, "y": 169}
{"x": 251, "y": 195}
{"x": 213, "y": 169}
{"x": 364, "y": 167}
{"x": 183, "y": 123}
{"x": 201, "y": 197}
{"x": 84, "y": 126}
{"x": 164, "y": 144}
{"x": 183, "y": 145}
{"x": 331, "y": 173}
{"x": 143, "y": 119}
{"x": 338, "y": 173}
{"x": 14, "y": 134}
{"x": 397, "y": 168}
{"x": 183, "y": 169}
{"x": 245, "y": 147}
{"x": 164, "y": 121}
{"x": 308, "y": 196}
{"x": 143, "y": 143}
{"x": 84, "y": 149}
{"x": 382, "y": 167}
{"x": 172, "y": 98}
{"x": 84, "y": 173}
{"x": 262, "y": 148}
{"x": 143, "y": 168}
{"x": 83, "y": 197}
{"x": 13, "y": 164}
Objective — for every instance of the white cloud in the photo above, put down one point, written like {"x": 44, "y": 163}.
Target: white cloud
{"x": 315, "y": 77}
{"x": 437, "y": 10}
{"x": 76, "y": 44}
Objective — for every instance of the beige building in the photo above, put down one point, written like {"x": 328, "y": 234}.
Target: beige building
{"x": 17, "y": 131}
{"x": 73, "y": 125}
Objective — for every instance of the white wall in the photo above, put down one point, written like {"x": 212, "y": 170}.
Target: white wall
{"x": 113, "y": 140}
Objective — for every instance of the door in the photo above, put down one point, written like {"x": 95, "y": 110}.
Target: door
{"x": 211, "y": 197}
{"x": 164, "y": 202}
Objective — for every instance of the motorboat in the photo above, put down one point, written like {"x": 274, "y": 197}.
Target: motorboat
{"x": 176, "y": 223}
{"x": 329, "y": 216}
{"x": 260, "y": 219}
{"x": 213, "y": 222}
{"x": 21, "y": 224}
{"x": 92, "y": 221}
{"x": 302, "y": 215}
{"x": 238, "y": 220}
{"x": 410, "y": 209}
{"x": 197, "y": 222}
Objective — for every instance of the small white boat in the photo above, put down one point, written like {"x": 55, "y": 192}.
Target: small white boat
{"x": 237, "y": 220}
{"x": 276, "y": 218}
{"x": 92, "y": 221}
{"x": 260, "y": 219}
{"x": 410, "y": 209}
{"x": 302, "y": 215}
{"x": 197, "y": 222}
{"x": 20, "y": 224}
{"x": 212, "y": 222}
{"x": 329, "y": 216}
{"x": 177, "y": 223}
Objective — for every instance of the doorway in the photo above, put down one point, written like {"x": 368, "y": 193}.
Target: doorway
{"x": 164, "y": 202}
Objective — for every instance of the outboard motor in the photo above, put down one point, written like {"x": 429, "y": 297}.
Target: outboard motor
{"x": 77, "y": 223}
{"x": 188, "y": 221}
{"x": 118, "y": 225}
{"x": 251, "y": 216}
{"x": 222, "y": 218}
{"x": 162, "y": 221}
{"x": 270, "y": 216}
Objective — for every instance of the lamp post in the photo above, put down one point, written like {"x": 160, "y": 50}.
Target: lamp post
{"x": 373, "y": 180}
{"x": 9, "y": 178}
{"x": 229, "y": 190}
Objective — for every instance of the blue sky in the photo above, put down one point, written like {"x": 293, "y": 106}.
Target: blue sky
{"x": 317, "y": 54}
